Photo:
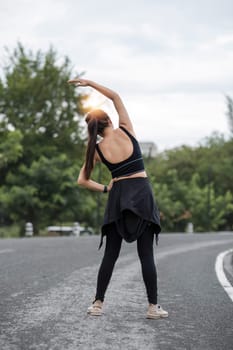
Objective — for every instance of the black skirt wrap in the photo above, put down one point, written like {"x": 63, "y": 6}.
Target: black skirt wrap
{"x": 131, "y": 207}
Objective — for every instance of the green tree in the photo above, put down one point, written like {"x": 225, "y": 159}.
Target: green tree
{"x": 230, "y": 113}
{"x": 208, "y": 209}
{"x": 195, "y": 184}
{"x": 36, "y": 100}
{"x": 41, "y": 139}
{"x": 42, "y": 192}
{"x": 11, "y": 149}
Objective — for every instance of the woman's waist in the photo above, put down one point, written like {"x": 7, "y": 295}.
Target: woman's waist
{"x": 140, "y": 174}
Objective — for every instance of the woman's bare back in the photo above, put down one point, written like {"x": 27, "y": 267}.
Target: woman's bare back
{"x": 116, "y": 146}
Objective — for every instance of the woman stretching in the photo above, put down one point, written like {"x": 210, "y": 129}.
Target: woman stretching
{"x": 131, "y": 212}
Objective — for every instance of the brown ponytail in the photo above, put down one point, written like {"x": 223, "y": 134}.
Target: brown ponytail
{"x": 92, "y": 137}
{"x": 97, "y": 121}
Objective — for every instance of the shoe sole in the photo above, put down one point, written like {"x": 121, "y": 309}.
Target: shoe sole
{"x": 156, "y": 317}
{"x": 91, "y": 313}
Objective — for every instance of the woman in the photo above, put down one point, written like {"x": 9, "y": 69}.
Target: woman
{"x": 131, "y": 212}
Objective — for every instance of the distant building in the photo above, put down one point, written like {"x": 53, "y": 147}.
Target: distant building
{"x": 149, "y": 149}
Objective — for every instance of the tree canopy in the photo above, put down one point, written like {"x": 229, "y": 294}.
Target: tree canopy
{"x": 41, "y": 144}
{"x": 194, "y": 184}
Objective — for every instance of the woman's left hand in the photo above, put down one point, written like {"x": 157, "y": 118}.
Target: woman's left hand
{"x": 110, "y": 184}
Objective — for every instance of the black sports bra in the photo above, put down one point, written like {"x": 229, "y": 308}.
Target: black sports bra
{"x": 129, "y": 166}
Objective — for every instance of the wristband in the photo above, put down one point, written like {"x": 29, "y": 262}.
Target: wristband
{"x": 105, "y": 189}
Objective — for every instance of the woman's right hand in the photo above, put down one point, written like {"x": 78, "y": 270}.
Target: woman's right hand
{"x": 79, "y": 82}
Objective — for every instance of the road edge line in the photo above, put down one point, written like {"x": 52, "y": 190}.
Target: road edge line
{"x": 221, "y": 274}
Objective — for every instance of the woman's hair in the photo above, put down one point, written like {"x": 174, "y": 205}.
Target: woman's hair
{"x": 97, "y": 121}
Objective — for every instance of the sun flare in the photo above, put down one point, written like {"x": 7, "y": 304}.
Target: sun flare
{"x": 98, "y": 101}
{"x": 95, "y": 101}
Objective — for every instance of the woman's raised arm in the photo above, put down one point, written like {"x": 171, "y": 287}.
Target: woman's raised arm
{"x": 124, "y": 119}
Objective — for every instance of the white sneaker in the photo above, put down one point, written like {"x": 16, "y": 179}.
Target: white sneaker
{"x": 96, "y": 309}
{"x": 156, "y": 311}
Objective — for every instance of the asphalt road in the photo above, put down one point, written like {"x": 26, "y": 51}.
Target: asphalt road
{"x": 48, "y": 283}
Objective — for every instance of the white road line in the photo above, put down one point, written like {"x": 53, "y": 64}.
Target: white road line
{"x": 6, "y": 251}
{"x": 221, "y": 275}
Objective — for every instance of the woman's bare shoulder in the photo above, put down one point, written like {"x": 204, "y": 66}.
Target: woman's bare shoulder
{"x": 122, "y": 129}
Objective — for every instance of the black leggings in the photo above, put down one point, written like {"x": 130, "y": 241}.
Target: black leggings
{"x": 146, "y": 256}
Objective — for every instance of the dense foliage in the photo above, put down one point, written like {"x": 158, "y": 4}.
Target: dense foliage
{"x": 41, "y": 144}
{"x": 42, "y": 148}
{"x": 195, "y": 185}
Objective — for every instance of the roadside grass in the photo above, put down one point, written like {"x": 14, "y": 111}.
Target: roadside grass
{"x": 15, "y": 231}
{"x": 12, "y": 231}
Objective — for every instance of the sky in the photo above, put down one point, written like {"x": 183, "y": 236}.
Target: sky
{"x": 170, "y": 60}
